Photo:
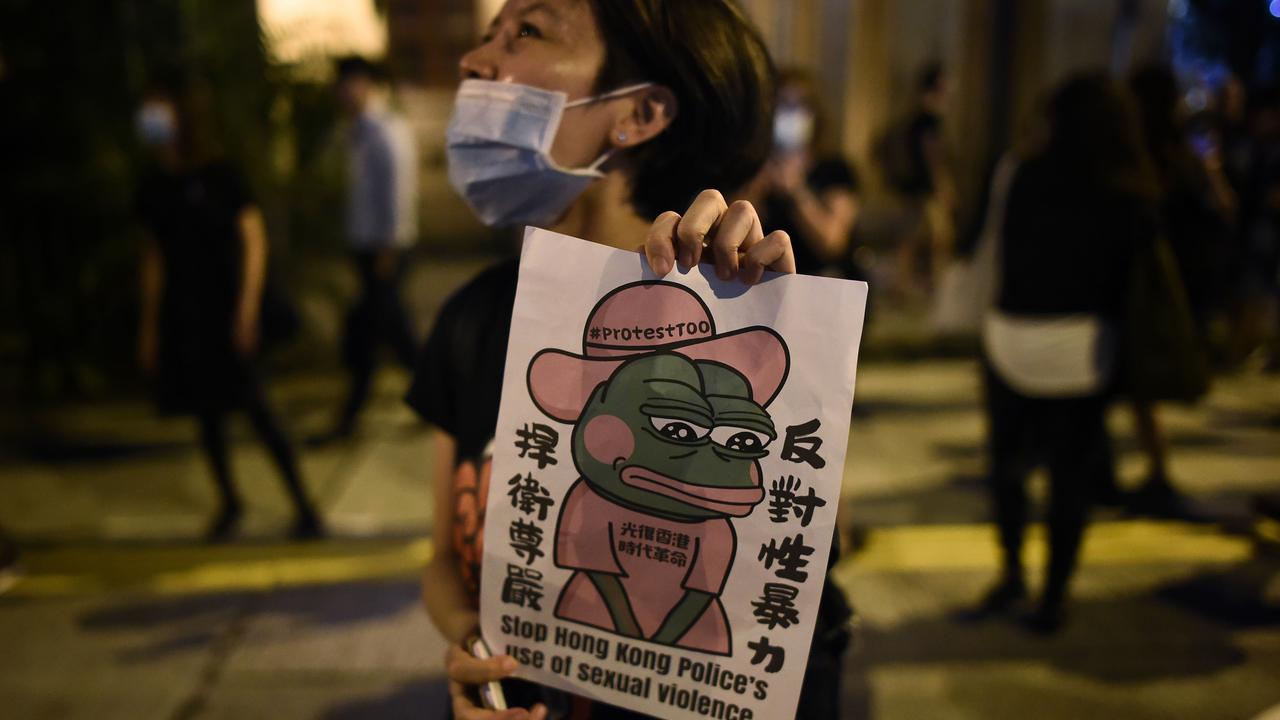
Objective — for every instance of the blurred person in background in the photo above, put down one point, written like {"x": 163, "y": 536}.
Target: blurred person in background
{"x": 203, "y": 271}
{"x": 1075, "y": 209}
{"x": 382, "y": 226}
{"x": 662, "y": 99}
{"x": 915, "y": 164}
{"x": 804, "y": 190}
{"x": 1256, "y": 269}
{"x": 1196, "y": 206}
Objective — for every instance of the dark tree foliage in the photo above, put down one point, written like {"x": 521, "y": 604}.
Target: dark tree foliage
{"x": 72, "y": 74}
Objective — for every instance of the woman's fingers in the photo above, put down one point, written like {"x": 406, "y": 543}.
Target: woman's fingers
{"x": 699, "y": 222}
{"x": 465, "y": 709}
{"x": 659, "y": 247}
{"x": 732, "y": 232}
{"x": 462, "y": 667}
{"x": 773, "y": 252}
{"x": 739, "y": 229}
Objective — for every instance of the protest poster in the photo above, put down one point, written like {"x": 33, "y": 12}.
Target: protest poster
{"x": 666, "y": 471}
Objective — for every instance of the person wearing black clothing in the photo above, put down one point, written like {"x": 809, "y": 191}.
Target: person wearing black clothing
{"x": 912, "y": 156}
{"x": 1196, "y": 203}
{"x": 203, "y": 267}
{"x": 662, "y": 133}
{"x": 808, "y": 193}
{"x": 1076, "y": 210}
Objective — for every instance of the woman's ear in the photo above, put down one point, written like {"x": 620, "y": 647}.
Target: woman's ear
{"x": 651, "y": 110}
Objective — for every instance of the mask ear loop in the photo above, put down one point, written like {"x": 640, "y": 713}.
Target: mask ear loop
{"x": 627, "y": 90}
{"x": 593, "y": 169}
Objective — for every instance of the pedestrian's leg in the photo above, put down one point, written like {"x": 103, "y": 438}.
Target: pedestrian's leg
{"x": 1007, "y": 415}
{"x": 213, "y": 439}
{"x": 1152, "y": 441}
{"x": 360, "y": 345}
{"x": 1078, "y": 454}
{"x": 268, "y": 429}
{"x": 1157, "y": 496}
{"x": 397, "y": 330}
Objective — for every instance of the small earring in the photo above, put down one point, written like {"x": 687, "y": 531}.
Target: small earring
{"x": 622, "y": 137}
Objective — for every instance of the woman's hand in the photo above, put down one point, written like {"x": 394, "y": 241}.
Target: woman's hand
{"x": 466, "y": 671}
{"x": 731, "y": 233}
{"x": 148, "y": 349}
{"x": 244, "y": 334}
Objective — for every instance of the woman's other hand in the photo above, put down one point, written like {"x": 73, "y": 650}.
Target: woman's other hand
{"x": 148, "y": 349}
{"x": 731, "y": 233}
{"x": 466, "y": 671}
{"x": 244, "y": 335}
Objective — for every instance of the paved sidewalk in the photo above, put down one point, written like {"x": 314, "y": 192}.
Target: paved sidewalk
{"x": 124, "y": 614}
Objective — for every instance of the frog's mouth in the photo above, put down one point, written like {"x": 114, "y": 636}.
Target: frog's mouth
{"x": 735, "y": 502}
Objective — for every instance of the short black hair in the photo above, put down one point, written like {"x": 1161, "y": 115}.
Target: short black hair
{"x": 715, "y": 62}
{"x": 349, "y": 66}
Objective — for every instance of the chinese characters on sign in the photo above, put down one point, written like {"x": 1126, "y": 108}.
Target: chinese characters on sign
{"x": 523, "y": 584}
{"x": 776, "y": 604}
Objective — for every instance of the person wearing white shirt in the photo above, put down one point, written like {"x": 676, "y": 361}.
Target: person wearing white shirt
{"x": 381, "y": 227}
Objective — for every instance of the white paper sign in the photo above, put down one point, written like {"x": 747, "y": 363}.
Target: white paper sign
{"x": 666, "y": 472}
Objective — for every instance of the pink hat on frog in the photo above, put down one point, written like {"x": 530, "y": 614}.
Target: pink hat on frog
{"x": 649, "y": 317}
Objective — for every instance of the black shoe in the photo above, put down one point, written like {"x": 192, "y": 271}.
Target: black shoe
{"x": 223, "y": 527}
{"x": 1157, "y": 498}
{"x": 1267, "y": 506}
{"x": 1004, "y": 598}
{"x": 1109, "y": 496}
{"x": 1047, "y": 619}
{"x": 307, "y": 526}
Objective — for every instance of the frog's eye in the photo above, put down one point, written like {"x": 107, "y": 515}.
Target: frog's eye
{"x": 739, "y": 439}
{"x": 678, "y": 430}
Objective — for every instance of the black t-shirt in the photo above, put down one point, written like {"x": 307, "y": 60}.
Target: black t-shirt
{"x": 901, "y": 152}
{"x": 779, "y": 212}
{"x": 457, "y": 385}
{"x": 1066, "y": 246}
{"x": 193, "y": 216}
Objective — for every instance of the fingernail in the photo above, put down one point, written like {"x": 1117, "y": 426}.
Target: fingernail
{"x": 509, "y": 665}
{"x": 723, "y": 273}
{"x": 662, "y": 267}
{"x": 686, "y": 258}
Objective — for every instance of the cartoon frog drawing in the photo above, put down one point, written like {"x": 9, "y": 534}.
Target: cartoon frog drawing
{"x": 670, "y": 423}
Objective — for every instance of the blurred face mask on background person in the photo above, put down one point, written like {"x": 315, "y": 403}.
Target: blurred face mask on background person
{"x": 498, "y": 146}
{"x": 156, "y": 124}
{"x": 792, "y": 128}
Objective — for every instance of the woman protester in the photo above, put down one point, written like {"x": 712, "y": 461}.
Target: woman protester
{"x": 1077, "y": 209}
{"x": 665, "y": 102}
{"x": 203, "y": 271}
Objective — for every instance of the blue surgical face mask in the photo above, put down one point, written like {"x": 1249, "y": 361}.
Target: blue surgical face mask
{"x": 792, "y": 129}
{"x": 156, "y": 124}
{"x": 499, "y": 150}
